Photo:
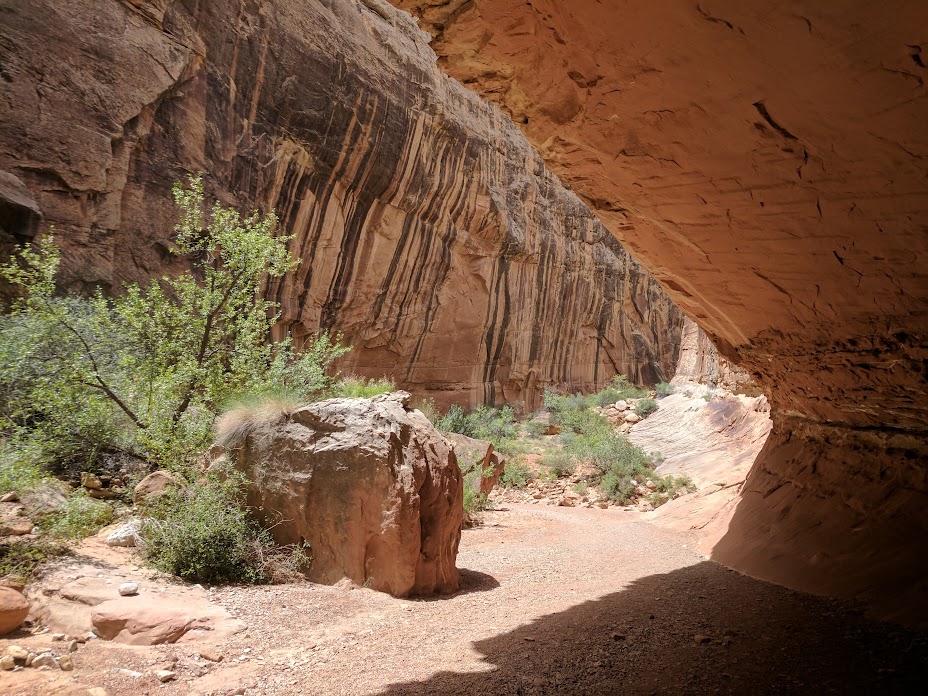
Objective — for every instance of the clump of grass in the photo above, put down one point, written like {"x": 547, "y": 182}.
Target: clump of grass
{"x": 515, "y": 475}
{"x": 19, "y": 559}
{"x": 245, "y": 413}
{"x": 668, "y": 488}
{"x": 428, "y": 408}
{"x": 645, "y": 407}
{"x": 559, "y": 464}
{"x": 663, "y": 389}
{"x": 79, "y": 516}
{"x": 353, "y": 387}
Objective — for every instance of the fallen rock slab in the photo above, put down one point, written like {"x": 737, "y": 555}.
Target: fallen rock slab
{"x": 137, "y": 621}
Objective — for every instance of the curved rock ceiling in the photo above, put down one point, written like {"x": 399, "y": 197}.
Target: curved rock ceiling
{"x": 768, "y": 163}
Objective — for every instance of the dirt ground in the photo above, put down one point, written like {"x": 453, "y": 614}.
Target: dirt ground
{"x": 554, "y": 600}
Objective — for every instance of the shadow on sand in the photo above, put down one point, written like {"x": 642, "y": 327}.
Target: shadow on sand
{"x": 703, "y": 629}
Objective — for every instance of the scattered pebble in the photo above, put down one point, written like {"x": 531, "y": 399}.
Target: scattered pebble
{"x": 165, "y": 675}
{"x": 128, "y": 589}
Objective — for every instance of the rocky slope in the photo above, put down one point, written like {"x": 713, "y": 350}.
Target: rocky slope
{"x": 432, "y": 235}
{"x": 767, "y": 162}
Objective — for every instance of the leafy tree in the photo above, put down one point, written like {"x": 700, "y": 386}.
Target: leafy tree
{"x": 146, "y": 372}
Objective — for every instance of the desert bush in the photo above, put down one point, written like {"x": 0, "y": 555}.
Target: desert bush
{"x": 536, "y": 428}
{"x": 668, "y": 487}
{"x": 645, "y": 407}
{"x": 78, "y": 517}
{"x": 664, "y": 389}
{"x": 20, "y": 466}
{"x": 428, "y": 408}
{"x": 559, "y": 463}
{"x": 18, "y": 559}
{"x": 619, "y": 388}
{"x": 203, "y": 533}
{"x": 357, "y": 387}
{"x": 146, "y": 372}
{"x": 515, "y": 475}
{"x": 483, "y": 422}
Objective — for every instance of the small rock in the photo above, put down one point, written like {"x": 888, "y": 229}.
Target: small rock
{"x": 618, "y": 636}
{"x": 73, "y": 645}
{"x": 96, "y": 691}
{"x": 65, "y": 663}
{"x": 17, "y": 652}
{"x": 29, "y": 658}
{"x": 650, "y": 485}
{"x": 621, "y": 405}
{"x": 44, "y": 660}
{"x": 128, "y": 589}
{"x": 57, "y": 636}
{"x": 7, "y": 663}
{"x": 165, "y": 675}
{"x": 212, "y": 655}
{"x": 127, "y": 673}
{"x": 702, "y": 639}
{"x": 11, "y": 497}
{"x": 632, "y": 417}
{"x": 91, "y": 481}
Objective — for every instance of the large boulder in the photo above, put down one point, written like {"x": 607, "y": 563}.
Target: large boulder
{"x": 13, "y": 609}
{"x": 153, "y": 487}
{"x": 370, "y": 484}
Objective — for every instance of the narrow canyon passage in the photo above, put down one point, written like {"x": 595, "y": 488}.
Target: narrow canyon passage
{"x": 554, "y": 600}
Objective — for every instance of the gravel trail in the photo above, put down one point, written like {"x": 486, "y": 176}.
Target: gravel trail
{"x": 554, "y": 600}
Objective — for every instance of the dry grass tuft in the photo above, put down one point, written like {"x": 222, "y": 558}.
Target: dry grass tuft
{"x": 244, "y": 417}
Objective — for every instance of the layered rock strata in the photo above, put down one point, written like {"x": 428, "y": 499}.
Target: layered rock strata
{"x": 431, "y": 234}
{"x": 767, "y": 163}
{"x": 369, "y": 484}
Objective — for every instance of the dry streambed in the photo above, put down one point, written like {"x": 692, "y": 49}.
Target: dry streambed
{"x": 554, "y": 600}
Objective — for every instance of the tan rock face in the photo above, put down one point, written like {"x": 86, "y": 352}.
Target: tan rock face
{"x": 372, "y": 486}
{"x": 700, "y": 363}
{"x": 433, "y": 236}
{"x": 767, "y": 165}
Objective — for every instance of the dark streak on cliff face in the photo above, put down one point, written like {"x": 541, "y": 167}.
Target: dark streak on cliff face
{"x": 432, "y": 236}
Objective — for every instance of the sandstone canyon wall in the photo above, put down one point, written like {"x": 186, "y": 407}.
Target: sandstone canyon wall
{"x": 767, "y": 162}
{"x": 432, "y": 235}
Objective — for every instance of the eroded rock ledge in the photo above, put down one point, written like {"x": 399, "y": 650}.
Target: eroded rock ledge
{"x": 767, "y": 164}
{"x": 432, "y": 235}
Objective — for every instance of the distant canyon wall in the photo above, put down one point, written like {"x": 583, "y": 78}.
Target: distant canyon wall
{"x": 432, "y": 236}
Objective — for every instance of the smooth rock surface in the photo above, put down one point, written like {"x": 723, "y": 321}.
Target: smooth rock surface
{"x": 370, "y": 484}
{"x": 14, "y": 608}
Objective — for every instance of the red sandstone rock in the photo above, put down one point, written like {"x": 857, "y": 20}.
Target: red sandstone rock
{"x": 371, "y": 485}
{"x": 778, "y": 195}
{"x": 14, "y": 608}
{"x": 433, "y": 237}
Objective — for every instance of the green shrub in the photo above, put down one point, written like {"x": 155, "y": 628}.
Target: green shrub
{"x": 668, "y": 487}
{"x": 145, "y": 373}
{"x": 484, "y": 423}
{"x": 617, "y": 486}
{"x": 559, "y": 463}
{"x": 203, "y": 533}
{"x": 617, "y": 390}
{"x": 18, "y": 559}
{"x": 645, "y": 407}
{"x": 536, "y": 428}
{"x": 664, "y": 389}
{"x": 20, "y": 466}
{"x": 358, "y": 387}
{"x": 78, "y": 517}
{"x": 515, "y": 475}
